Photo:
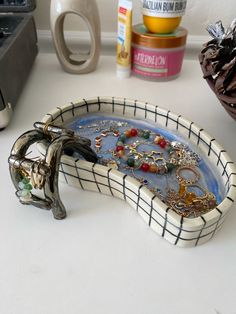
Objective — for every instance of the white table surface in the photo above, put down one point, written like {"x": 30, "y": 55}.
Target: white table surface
{"x": 103, "y": 258}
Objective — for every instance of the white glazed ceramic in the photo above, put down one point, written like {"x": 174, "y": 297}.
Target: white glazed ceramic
{"x": 88, "y": 11}
{"x": 183, "y": 232}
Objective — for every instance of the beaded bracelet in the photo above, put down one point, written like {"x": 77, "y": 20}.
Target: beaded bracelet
{"x": 137, "y": 160}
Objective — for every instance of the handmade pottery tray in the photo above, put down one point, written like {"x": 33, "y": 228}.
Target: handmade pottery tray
{"x": 179, "y": 230}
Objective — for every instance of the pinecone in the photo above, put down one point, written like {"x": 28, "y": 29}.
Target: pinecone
{"x": 218, "y": 58}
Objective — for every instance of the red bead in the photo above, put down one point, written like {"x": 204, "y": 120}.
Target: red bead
{"x": 118, "y": 148}
{"x": 134, "y": 132}
{"x": 145, "y": 167}
{"x": 162, "y": 143}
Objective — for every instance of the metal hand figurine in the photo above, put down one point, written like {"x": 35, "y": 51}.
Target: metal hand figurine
{"x": 28, "y": 174}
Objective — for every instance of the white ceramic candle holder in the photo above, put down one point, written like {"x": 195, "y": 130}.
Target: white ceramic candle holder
{"x": 88, "y": 11}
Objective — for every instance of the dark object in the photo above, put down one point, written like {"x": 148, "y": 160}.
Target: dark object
{"x": 218, "y": 63}
{"x": 17, "y": 5}
{"x": 18, "y": 49}
{"x": 42, "y": 174}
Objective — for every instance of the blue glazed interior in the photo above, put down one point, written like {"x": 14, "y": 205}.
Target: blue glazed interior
{"x": 86, "y": 126}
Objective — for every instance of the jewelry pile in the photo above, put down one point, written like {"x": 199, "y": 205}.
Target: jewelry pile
{"x": 169, "y": 168}
{"x": 187, "y": 202}
{"x": 152, "y": 161}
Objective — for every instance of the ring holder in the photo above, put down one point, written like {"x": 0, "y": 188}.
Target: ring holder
{"x": 43, "y": 174}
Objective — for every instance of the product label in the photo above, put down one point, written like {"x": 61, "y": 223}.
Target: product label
{"x": 124, "y": 33}
{"x": 156, "y": 64}
{"x": 121, "y": 32}
{"x": 163, "y": 8}
{"x": 150, "y": 60}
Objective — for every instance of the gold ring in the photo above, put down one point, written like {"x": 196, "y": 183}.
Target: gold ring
{"x": 45, "y": 128}
{"x": 181, "y": 179}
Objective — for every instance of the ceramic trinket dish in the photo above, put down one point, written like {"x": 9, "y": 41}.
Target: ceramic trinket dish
{"x": 178, "y": 229}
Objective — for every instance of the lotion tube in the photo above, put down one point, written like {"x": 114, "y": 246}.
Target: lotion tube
{"x": 124, "y": 34}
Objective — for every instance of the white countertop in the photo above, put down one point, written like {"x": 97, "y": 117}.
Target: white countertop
{"x": 102, "y": 258}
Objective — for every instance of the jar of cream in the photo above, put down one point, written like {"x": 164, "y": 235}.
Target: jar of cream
{"x": 157, "y": 56}
{"x": 161, "y": 16}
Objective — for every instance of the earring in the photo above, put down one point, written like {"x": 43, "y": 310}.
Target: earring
{"x": 184, "y": 180}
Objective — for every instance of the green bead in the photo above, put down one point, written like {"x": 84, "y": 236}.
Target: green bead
{"x": 146, "y": 134}
{"x": 169, "y": 149}
{"x": 28, "y": 187}
{"x": 170, "y": 166}
{"x": 25, "y": 181}
{"x": 119, "y": 143}
{"x": 122, "y": 138}
{"x": 130, "y": 162}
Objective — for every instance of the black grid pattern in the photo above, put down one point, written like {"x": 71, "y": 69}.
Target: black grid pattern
{"x": 137, "y": 198}
{"x": 177, "y": 230}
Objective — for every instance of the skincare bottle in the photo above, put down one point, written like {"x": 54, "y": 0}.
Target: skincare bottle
{"x": 124, "y": 34}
